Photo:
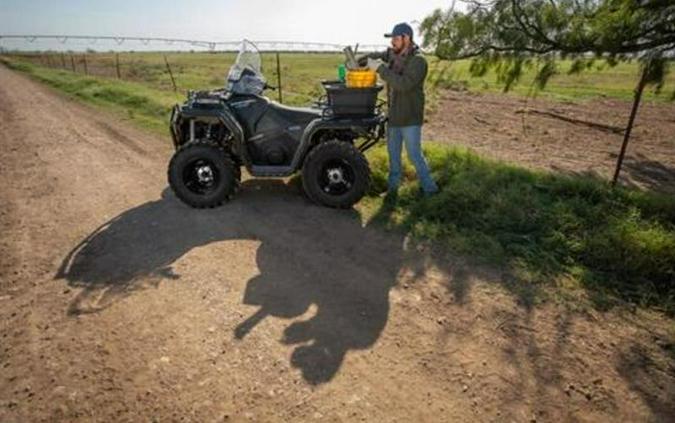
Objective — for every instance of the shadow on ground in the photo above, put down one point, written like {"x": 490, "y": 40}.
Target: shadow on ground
{"x": 307, "y": 256}
{"x": 650, "y": 174}
{"x": 638, "y": 171}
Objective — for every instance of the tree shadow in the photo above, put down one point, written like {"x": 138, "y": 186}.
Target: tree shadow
{"x": 651, "y": 380}
{"x": 650, "y": 174}
{"x": 638, "y": 171}
{"x": 309, "y": 258}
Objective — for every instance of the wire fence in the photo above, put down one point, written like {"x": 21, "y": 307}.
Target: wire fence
{"x": 183, "y": 71}
{"x": 156, "y": 60}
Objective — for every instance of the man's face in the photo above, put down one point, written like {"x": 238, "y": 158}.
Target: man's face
{"x": 398, "y": 43}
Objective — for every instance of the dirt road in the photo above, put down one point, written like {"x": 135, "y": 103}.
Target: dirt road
{"x": 118, "y": 303}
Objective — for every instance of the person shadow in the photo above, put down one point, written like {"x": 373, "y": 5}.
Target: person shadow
{"x": 310, "y": 260}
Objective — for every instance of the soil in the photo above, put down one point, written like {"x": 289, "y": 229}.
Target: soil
{"x": 569, "y": 137}
{"x": 119, "y": 303}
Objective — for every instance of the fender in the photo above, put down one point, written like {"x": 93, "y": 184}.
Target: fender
{"x": 356, "y": 125}
{"x": 227, "y": 119}
{"x": 222, "y": 114}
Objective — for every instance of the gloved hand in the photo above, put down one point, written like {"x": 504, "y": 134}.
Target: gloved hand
{"x": 374, "y": 64}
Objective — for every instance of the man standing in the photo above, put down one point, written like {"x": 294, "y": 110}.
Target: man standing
{"x": 404, "y": 70}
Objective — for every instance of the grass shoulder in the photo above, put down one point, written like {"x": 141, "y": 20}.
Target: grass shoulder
{"x": 546, "y": 230}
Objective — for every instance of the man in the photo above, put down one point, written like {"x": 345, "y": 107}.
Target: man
{"x": 404, "y": 70}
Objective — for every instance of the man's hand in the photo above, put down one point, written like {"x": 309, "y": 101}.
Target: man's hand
{"x": 362, "y": 61}
{"x": 374, "y": 64}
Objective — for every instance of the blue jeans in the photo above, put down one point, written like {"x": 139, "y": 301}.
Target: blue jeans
{"x": 413, "y": 140}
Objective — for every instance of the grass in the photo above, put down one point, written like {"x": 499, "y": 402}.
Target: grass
{"x": 143, "y": 105}
{"x": 599, "y": 81}
{"x": 547, "y": 231}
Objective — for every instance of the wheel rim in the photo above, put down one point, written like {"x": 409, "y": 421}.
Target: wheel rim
{"x": 336, "y": 177}
{"x": 201, "y": 176}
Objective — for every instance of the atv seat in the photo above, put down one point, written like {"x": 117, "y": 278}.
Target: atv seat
{"x": 297, "y": 115}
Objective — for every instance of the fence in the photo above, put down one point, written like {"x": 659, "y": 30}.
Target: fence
{"x": 163, "y": 69}
{"x": 128, "y": 66}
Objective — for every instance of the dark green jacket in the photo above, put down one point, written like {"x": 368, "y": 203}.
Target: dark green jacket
{"x": 405, "y": 91}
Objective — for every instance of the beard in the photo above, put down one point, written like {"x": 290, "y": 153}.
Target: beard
{"x": 403, "y": 47}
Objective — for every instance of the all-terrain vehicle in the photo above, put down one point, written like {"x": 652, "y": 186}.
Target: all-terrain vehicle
{"x": 217, "y": 132}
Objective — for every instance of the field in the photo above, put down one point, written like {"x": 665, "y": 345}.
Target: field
{"x": 302, "y": 72}
{"x": 528, "y": 289}
{"x": 643, "y": 224}
{"x": 504, "y": 235}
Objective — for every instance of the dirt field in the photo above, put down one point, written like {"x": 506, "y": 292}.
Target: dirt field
{"x": 582, "y": 137}
{"x": 118, "y": 303}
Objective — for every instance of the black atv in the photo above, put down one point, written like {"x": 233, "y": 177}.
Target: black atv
{"x": 217, "y": 132}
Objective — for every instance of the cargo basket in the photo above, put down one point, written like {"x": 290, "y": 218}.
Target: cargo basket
{"x": 345, "y": 101}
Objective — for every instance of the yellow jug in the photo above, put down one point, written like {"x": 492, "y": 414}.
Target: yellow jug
{"x": 361, "y": 78}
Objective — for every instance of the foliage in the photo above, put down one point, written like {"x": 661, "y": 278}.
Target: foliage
{"x": 512, "y": 34}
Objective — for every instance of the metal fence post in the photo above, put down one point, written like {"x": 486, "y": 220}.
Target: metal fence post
{"x": 117, "y": 65}
{"x": 168, "y": 68}
{"x": 281, "y": 98}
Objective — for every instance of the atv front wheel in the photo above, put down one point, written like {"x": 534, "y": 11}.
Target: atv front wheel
{"x": 203, "y": 175}
{"x": 335, "y": 174}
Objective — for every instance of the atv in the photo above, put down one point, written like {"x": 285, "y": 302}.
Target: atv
{"x": 217, "y": 132}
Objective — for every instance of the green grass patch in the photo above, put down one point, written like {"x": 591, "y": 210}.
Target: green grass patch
{"x": 145, "y": 106}
{"x": 546, "y": 230}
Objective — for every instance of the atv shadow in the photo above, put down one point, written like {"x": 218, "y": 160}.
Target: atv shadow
{"x": 309, "y": 258}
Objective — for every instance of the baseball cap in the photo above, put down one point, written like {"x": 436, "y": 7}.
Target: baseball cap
{"x": 401, "y": 29}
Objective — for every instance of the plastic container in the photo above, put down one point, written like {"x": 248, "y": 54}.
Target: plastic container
{"x": 361, "y": 78}
{"x": 342, "y": 73}
{"x": 349, "y": 101}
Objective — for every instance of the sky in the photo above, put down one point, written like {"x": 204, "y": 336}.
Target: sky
{"x": 340, "y": 22}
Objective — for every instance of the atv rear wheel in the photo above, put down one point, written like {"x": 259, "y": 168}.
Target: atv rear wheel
{"x": 335, "y": 174}
{"x": 203, "y": 175}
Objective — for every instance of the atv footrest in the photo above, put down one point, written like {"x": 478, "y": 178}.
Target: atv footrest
{"x": 271, "y": 170}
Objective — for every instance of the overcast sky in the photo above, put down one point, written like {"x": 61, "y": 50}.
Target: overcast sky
{"x": 339, "y": 21}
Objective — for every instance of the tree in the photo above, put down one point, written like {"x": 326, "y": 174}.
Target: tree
{"x": 508, "y": 35}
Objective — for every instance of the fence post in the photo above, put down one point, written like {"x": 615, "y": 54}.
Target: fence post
{"x": 281, "y": 98}
{"x": 173, "y": 81}
{"x": 84, "y": 59}
{"x": 72, "y": 63}
{"x": 637, "y": 96}
{"x": 63, "y": 60}
{"x": 117, "y": 65}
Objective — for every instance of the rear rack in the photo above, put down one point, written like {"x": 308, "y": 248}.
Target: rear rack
{"x": 343, "y": 101}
